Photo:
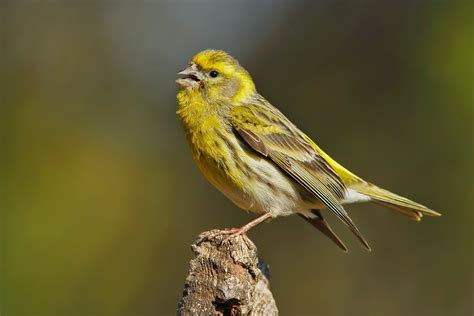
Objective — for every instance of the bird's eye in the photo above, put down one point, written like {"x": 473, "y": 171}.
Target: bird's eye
{"x": 213, "y": 74}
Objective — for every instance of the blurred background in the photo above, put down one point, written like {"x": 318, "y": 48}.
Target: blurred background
{"x": 100, "y": 199}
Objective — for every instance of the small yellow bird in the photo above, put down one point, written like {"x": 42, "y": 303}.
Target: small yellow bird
{"x": 259, "y": 159}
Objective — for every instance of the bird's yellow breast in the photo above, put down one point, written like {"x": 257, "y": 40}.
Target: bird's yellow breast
{"x": 208, "y": 136}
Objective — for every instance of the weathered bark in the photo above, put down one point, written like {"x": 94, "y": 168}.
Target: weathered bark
{"x": 226, "y": 278}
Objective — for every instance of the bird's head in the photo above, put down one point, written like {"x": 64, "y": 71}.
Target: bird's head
{"x": 216, "y": 76}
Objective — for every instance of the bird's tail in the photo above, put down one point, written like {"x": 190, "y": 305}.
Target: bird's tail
{"x": 393, "y": 201}
{"x": 316, "y": 219}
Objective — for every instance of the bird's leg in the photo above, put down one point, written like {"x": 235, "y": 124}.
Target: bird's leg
{"x": 242, "y": 230}
{"x": 248, "y": 226}
{"x": 236, "y": 231}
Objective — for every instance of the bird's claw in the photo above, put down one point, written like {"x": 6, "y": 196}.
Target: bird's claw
{"x": 230, "y": 232}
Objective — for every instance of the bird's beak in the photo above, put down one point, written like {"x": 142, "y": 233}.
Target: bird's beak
{"x": 191, "y": 77}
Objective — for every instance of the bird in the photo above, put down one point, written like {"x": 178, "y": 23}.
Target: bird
{"x": 260, "y": 160}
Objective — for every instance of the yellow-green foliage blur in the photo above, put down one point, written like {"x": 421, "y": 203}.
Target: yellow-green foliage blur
{"x": 99, "y": 196}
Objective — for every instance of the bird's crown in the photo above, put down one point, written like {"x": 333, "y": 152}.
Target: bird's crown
{"x": 216, "y": 59}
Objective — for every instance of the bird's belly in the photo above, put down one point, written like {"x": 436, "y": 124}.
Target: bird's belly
{"x": 266, "y": 188}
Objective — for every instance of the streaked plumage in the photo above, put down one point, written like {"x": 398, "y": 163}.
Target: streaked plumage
{"x": 259, "y": 159}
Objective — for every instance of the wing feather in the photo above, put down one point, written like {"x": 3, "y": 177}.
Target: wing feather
{"x": 270, "y": 133}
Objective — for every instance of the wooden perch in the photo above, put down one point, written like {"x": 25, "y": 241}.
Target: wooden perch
{"x": 226, "y": 278}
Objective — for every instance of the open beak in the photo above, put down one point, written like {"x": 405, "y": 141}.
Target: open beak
{"x": 191, "y": 77}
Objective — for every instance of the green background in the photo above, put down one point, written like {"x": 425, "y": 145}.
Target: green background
{"x": 100, "y": 198}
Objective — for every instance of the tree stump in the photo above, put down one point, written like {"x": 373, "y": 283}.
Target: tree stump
{"x": 226, "y": 278}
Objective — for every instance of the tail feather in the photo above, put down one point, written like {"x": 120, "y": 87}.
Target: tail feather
{"x": 320, "y": 223}
{"x": 414, "y": 215}
{"x": 396, "y": 202}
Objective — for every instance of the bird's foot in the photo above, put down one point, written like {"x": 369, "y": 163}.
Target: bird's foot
{"x": 234, "y": 232}
{"x": 228, "y": 233}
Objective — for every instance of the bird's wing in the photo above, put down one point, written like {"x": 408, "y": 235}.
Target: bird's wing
{"x": 272, "y": 135}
